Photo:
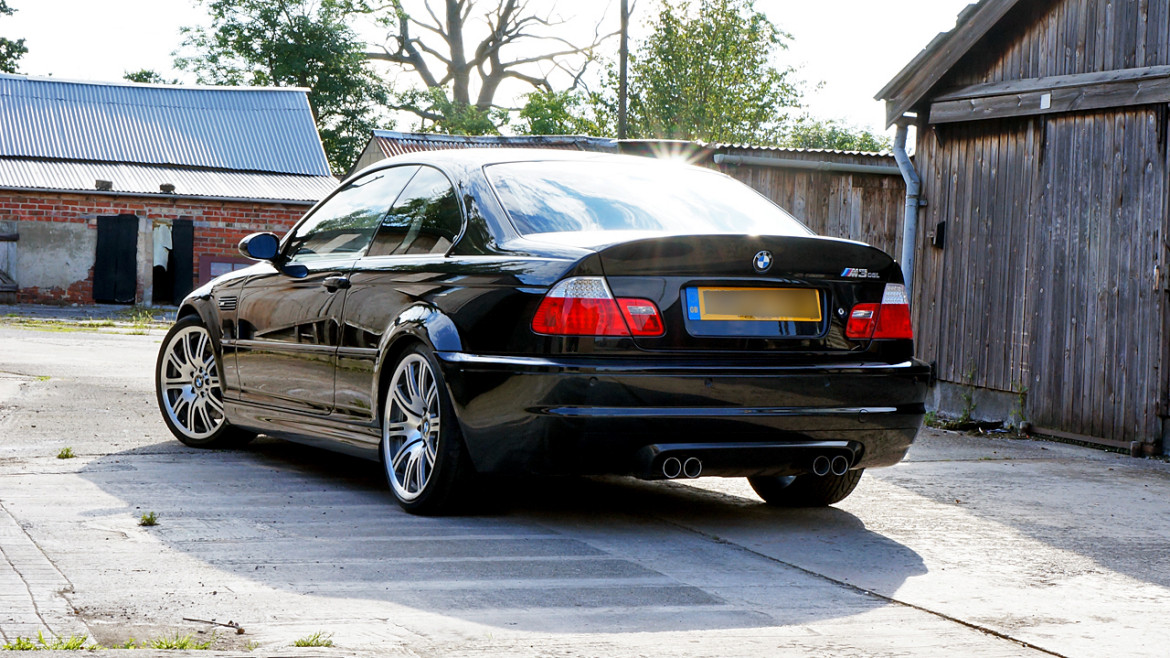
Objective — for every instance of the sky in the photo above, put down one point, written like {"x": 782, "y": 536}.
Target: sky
{"x": 850, "y": 48}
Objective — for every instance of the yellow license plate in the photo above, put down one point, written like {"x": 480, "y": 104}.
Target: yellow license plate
{"x": 779, "y": 304}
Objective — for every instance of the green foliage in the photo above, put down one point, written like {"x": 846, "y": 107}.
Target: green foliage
{"x": 708, "y": 75}
{"x": 318, "y": 639}
{"x": 21, "y": 644}
{"x": 809, "y": 133}
{"x": 148, "y": 519}
{"x": 968, "y": 395}
{"x": 10, "y": 50}
{"x": 557, "y": 113}
{"x": 71, "y": 643}
{"x": 66, "y": 453}
{"x": 148, "y": 76}
{"x": 440, "y": 114}
{"x": 302, "y": 43}
{"x": 77, "y": 643}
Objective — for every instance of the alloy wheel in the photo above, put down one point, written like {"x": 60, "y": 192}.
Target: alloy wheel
{"x": 189, "y": 381}
{"x": 411, "y": 426}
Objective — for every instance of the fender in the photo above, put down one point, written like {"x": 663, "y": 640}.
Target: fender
{"x": 422, "y": 322}
{"x": 208, "y": 314}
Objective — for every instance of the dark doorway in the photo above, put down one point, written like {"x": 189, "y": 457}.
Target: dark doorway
{"x": 175, "y": 280}
{"x": 116, "y": 265}
{"x": 182, "y": 259}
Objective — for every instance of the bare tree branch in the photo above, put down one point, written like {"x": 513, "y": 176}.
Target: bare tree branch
{"x": 444, "y": 57}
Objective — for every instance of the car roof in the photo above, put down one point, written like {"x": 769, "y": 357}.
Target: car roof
{"x": 480, "y": 157}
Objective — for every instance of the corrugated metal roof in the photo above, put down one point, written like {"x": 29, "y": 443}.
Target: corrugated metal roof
{"x": 394, "y": 143}
{"x": 229, "y": 128}
{"x": 801, "y": 151}
{"x": 146, "y": 179}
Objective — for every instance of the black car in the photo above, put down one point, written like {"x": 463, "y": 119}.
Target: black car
{"x": 492, "y": 311}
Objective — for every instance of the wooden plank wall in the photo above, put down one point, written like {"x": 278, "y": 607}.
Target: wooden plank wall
{"x": 1055, "y": 226}
{"x": 1063, "y": 37}
{"x": 864, "y": 207}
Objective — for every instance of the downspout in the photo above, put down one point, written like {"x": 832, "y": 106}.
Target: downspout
{"x": 913, "y": 188}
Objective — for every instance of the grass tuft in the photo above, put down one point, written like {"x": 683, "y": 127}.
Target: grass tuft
{"x": 71, "y": 643}
{"x": 77, "y": 643}
{"x": 66, "y": 453}
{"x": 148, "y": 519}
{"x": 318, "y": 639}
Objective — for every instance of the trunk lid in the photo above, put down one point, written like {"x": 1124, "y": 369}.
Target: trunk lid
{"x": 744, "y": 293}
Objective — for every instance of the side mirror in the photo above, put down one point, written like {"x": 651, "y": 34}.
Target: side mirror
{"x": 260, "y": 246}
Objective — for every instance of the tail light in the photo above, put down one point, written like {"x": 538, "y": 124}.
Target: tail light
{"x": 584, "y": 306}
{"x": 889, "y": 319}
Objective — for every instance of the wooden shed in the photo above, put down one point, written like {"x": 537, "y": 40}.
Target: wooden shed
{"x": 1040, "y": 289}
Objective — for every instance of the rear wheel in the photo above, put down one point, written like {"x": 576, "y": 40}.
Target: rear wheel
{"x": 806, "y": 490}
{"x": 189, "y": 388}
{"x": 426, "y": 463}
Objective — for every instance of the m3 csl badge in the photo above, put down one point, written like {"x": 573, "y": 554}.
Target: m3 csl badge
{"x": 762, "y": 261}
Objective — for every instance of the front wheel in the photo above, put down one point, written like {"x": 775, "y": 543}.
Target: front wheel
{"x": 188, "y": 385}
{"x": 806, "y": 490}
{"x": 426, "y": 463}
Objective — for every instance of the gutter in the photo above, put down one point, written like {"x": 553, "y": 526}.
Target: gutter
{"x": 913, "y": 201}
{"x": 154, "y": 197}
{"x": 815, "y": 165}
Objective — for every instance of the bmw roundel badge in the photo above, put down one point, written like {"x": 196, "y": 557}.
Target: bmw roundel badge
{"x": 763, "y": 261}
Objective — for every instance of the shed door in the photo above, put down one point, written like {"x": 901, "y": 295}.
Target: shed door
{"x": 115, "y": 268}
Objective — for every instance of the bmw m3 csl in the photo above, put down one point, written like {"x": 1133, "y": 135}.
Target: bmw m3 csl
{"x": 509, "y": 311}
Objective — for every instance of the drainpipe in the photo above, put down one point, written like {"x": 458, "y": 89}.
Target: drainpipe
{"x": 913, "y": 187}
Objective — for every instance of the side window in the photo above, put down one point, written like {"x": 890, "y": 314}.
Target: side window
{"x": 424, "y": 220}
{"x": 343, "y": 225}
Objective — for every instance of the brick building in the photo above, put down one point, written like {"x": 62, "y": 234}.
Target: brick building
{"x": 95, "y": 176}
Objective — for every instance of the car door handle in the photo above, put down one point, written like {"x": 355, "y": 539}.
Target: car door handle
{"x": 334, "y": 283}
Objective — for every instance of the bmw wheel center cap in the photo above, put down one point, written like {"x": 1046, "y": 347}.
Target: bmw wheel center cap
{"x": 762, "y": 261}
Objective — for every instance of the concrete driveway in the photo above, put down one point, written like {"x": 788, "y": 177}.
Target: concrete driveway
{"x": 974, "y": 546}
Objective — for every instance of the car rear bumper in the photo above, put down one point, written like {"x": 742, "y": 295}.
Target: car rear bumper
{"x": 582, "y": 415}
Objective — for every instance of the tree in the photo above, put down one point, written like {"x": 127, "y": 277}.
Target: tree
{"x": 10, "y": 51}
{"x": 709, "y": 75}
{"x": 558, "y": 113}
{"x": 303, "y": 43}
{"x": 809, "y": 133}
{"x": 148, "y": 76}
{"x": 462, "y": 51}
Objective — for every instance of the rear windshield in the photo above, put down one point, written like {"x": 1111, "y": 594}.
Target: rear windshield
{"x": 654, "y": 197}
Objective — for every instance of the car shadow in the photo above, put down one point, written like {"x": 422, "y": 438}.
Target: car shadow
{"x": 552, "y": 555}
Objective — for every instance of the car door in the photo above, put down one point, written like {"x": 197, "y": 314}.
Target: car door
{"x": 289, "y": 326}
{"x": 404, "y": 266}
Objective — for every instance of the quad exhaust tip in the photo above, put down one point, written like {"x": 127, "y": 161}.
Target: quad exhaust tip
{"x": 673, "y": 467}
{"x": 837, "y": 465}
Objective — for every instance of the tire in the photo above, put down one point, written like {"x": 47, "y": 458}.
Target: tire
{"x": 806, "y": 490}
{"x": 423, "y": 454}
{"x": 189, "y": 391}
